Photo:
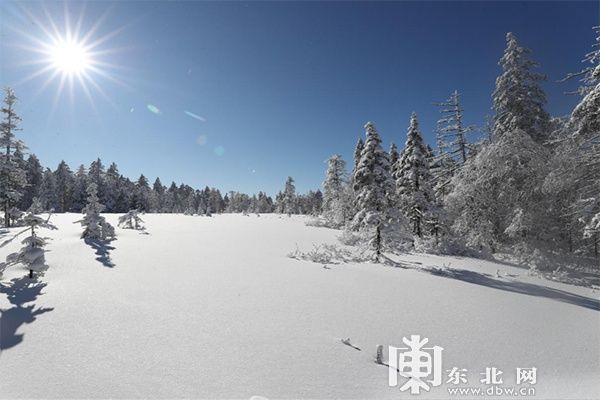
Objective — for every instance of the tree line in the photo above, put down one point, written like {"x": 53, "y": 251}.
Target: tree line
{"x": 530, "y": 184}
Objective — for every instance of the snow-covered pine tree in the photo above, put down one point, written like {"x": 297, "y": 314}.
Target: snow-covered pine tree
{"x": 191, "y": 207}
{"x": 80, "y": 185}
{"x": 36, "y": 206}
{"x": 12, "y": 177}
{"x": 584, "y": 129}
{"x": 31, "y": 254}
{"x": 95, "y": 226}
{"x": 335, "y": 192}
{"x": 394, "y": 156}
{"x": 96, "y": 174}
{"x": 518, "y": 98}
{"x": 201, "y": 210}
{"x": 34, "y": 173}
{"x": 113, "y": 190}
{"x": 141, "y": 198}
{"x": 64, "y": 186}
{"x": 374, "y": 190}
{"x": 157, "y": 197}
{"x": 48, "y": 191}
{"x": 289, "y": 197}
{"x": 131, "y": 220}
{"x": 357, "y": 153}
{"x": 413, "y": 182}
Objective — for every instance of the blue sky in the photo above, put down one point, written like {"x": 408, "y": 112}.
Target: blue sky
{"x": 279, "y": 86}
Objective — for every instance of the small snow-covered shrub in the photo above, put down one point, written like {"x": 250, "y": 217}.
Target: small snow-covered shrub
{"x": 323, "y": 254}
{"x": 131, "y": 220}
{"x": 350, "y": 238}
{"x": 318, "y": 222}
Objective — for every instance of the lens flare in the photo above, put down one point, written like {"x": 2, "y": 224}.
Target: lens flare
{"x": 201, "y": 140}
{"x": 153, "y": 109}
{"x": 195, "y": 116}
{"x": 219, "y": 150}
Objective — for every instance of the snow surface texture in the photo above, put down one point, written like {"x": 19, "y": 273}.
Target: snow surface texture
{"x": 213, "y": 308}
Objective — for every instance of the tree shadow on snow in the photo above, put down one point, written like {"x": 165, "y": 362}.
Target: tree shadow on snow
{"x": 18, "y": 292}
{"x": 102, "y": 248}
{"x": 516, "y": 287}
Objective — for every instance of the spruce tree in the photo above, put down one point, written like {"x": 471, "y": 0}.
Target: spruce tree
{"x": 32, "y": 254}
{"x": 518, "y": 98}
{"x": 12, "y": 177}
{"x": 394, "y": 156}
{"x": 335, "y": 191}
{"x": 584, "y": 129}
{"x": 95, "y": 226}
{"x": 413, "y": 180}
{"x": 34, "y": 175}
{"x": 289, "y": 197}
{"x": 373, "y": 187}
{"x": 64, "y": 187}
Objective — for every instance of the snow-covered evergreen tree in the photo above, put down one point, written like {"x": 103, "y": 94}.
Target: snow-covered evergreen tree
{"x": 34, "y": 174}
{"x": 373, "y": 184}
{"x": 114, "y": 201}
{"x": 96, "y": 174}
{"x": 141, "y": 197}
{"x": 289, "y": 197}
{"x": 357, "y": 153}
{"x": 394, "y": 155}
{"x": 335, "y": 192}
{"x": 157, "y": 197}
{"x": 518, "y": 98}
{"x": 12, "y": 177}
{"x": 31, "y": 254}
{"x": 413, "y": 182}
{"x": 95, "y": 226}
{"x": 64, "y": 186}
{"x": 36, "y": 206}
{"x": 191, "y": 207}
{"x": 583, "y": 149}
{"x": 131, "y": 220}
{"x": 48, "y": 191}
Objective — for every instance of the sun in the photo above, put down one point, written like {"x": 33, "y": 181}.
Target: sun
{"x": 70, "y": 57}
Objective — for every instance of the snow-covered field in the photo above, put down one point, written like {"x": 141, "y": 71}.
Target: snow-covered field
{"x": 213, "y": 308}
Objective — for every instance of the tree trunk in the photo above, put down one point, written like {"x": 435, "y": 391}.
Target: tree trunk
{"x": 30, "y": 274}
{"x": 377, "y": 243}
{"x": 6, "y": 215}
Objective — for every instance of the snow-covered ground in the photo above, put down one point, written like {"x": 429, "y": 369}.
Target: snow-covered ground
{"x": 213, "y": 308}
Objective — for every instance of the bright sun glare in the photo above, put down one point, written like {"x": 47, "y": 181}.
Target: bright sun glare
{"x": 69, "y": 54}
{"x": 70, "y": 57}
